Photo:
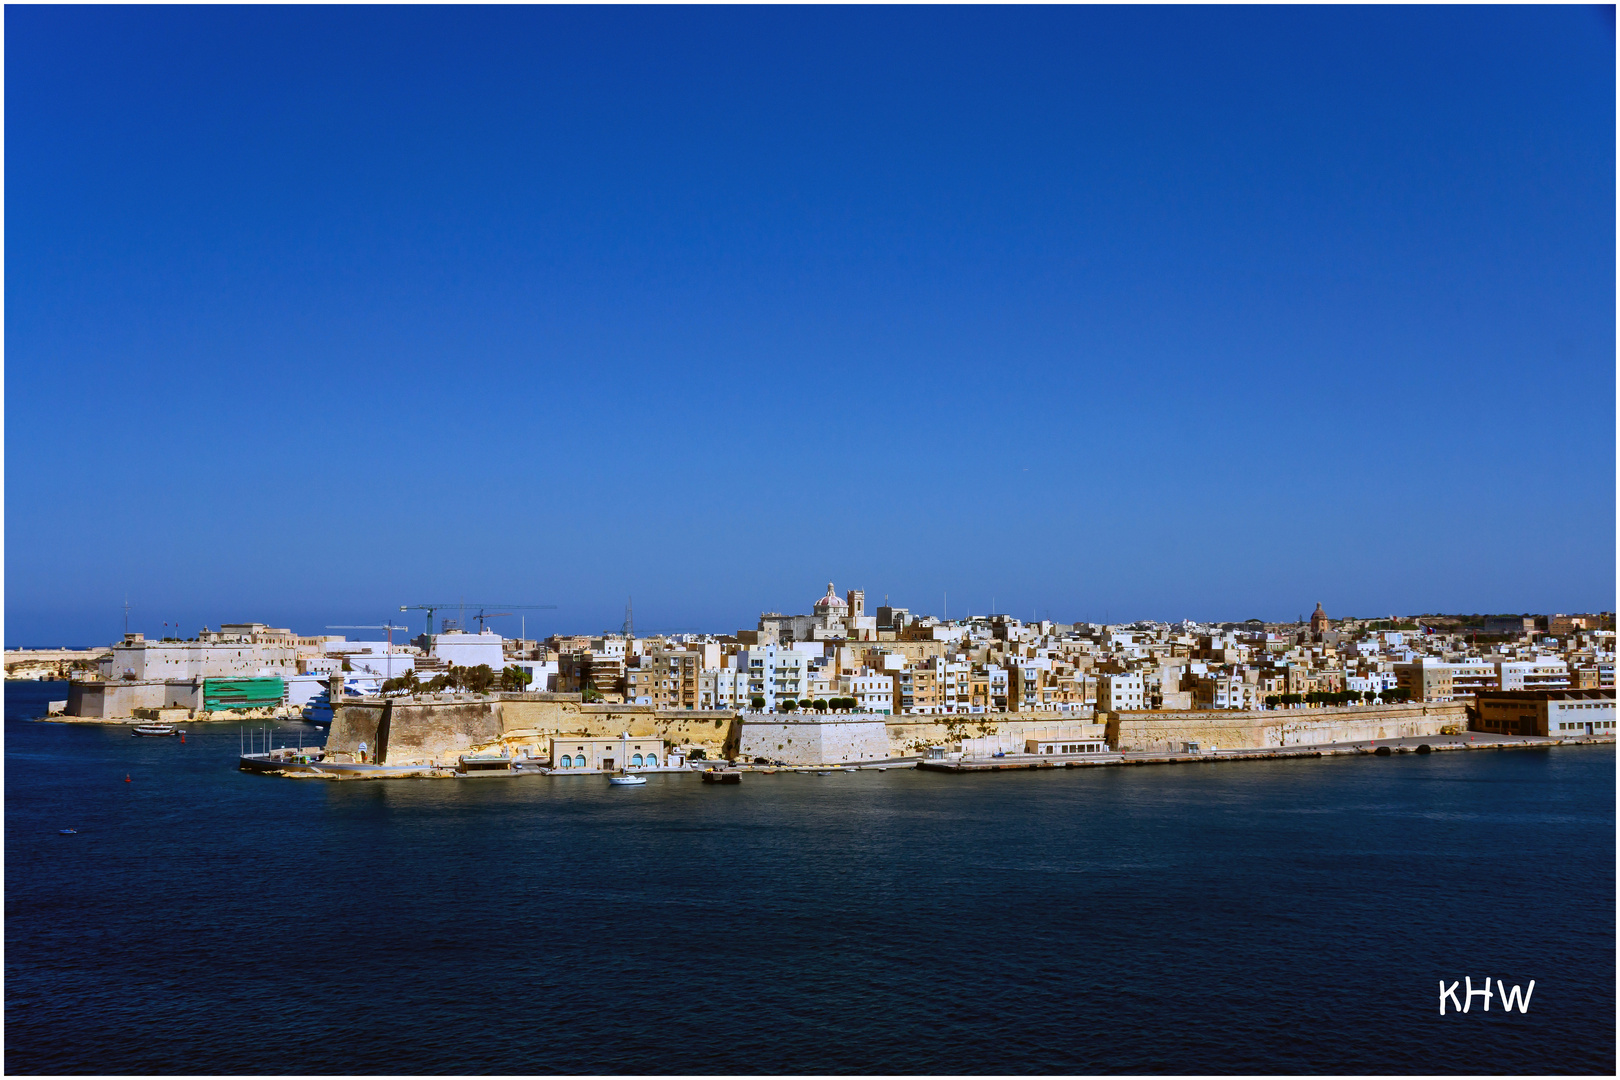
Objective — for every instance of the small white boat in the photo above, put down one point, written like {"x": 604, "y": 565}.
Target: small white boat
{"x": 153, "y": 729}
{"x": 627, "y": 781}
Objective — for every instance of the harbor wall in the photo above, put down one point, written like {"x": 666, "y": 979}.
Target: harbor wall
{"x": 1277, "y": 728}
{"x": 119, "y": 700}
{"x": 817, "y": 741}
{"x": 409, "y": 731}
{"x": 910, "y": 736}
{"x": 402, "y": 731}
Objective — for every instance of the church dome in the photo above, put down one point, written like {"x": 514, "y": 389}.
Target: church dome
{"x": 831, "y": 603}
{"x": 1319, "y": 619}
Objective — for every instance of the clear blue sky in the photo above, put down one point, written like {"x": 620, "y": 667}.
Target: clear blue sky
{"x": 313, "y": 312}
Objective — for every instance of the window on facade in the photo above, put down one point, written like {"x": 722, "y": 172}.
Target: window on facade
{"x": 579, "y": 761}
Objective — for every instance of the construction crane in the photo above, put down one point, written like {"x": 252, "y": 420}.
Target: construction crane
{"x": 390, "y": 627}
{"x": 485, "y": 611}
{"x": 482, "y": 615}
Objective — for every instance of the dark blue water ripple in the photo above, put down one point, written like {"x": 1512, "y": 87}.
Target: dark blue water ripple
{"x": 1272, "y": 916}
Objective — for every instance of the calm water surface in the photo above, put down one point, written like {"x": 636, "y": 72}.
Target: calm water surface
{"x": 1273, "y": 916}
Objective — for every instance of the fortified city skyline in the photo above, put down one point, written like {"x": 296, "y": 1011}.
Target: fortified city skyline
{"x": 860, "y": 540}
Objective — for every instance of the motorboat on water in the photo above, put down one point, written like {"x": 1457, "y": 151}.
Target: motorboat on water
{"x": 627, "y": 780}
{"x": 154, "y": 729}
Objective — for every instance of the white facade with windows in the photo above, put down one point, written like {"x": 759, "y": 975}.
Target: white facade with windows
{"x": 775, "y": 673}
{"x": 872, "y": 692}
{"x": 1542, "y": 673}
{"x": 603, "y": 753}
{"x": 1569, "y": 719}
{"x": 1374, "y": 681}
{"x": 1120, "y": 693}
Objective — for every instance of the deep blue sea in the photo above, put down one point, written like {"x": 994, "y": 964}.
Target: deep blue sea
{"x": 1290, "y": 916}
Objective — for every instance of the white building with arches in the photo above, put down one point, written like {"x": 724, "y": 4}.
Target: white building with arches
{"x": 602, "y": 753}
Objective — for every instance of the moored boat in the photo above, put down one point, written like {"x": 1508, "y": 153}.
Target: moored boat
{"x": 154, "y": 729}
{"x": 627, "y": 780}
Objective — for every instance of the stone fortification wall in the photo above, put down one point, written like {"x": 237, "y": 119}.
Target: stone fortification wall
{"x": 829, "y": 741}
{"x": 401, "y": 731}
{"x": 118, "y": 700}
{"x": 1267, "y": 729}
{"x": 113, "y": 700}
{"x": 1013, "y": 738}
{"x": 529, "y": 723}
{"x": 354, "y": 723}
{"x": 911, "y": 735}
{"x": 51, "y": 663}
{"x": 406, "y": 731}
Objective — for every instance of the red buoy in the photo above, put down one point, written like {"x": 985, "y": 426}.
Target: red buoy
{"x": 126, "y": 778}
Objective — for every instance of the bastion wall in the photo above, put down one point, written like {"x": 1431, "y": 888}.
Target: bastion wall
{"x": 815, "y": 741}
{"x": 415, "y": 731}
{"x": 1275, "y": 728}
{"x": 408, "y": 731}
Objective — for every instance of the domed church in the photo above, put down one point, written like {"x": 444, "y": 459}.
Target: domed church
{"x": 832, "y": 606}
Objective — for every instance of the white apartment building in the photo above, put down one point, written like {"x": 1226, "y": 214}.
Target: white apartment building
{"x": 775, "y": 673}
{"x": 1374, "y": 681}
{"x": 1469, "y": 677}
{"x": 1223, "y": 691}
{"x": 723, "y": 688}
{"x": 997, "y": 678}
{"x": 1120, "y": 693}
{"x": 873, "y": 691}
{"x": 956, "y": 686}
{"x": 1542, "y": 673}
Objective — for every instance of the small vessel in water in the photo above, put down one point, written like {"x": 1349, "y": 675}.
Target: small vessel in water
{"x": 154, "y": 729}
{"x": 67, "y": 832}
{"x": 626, "y": 780}
{"x": 722, "y": 776}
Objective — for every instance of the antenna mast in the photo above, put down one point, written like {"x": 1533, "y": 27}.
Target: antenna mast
{"x": 629, "y": 618}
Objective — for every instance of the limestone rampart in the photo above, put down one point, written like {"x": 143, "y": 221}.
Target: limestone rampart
{"x": 405, "y": 731}
{"x": 40, "y": 664}
{"x": 1277, "y": 728}
{"x": 814, "y": 740}
{"x": 402, "y": 731}
{"x": 911, "y": 735}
